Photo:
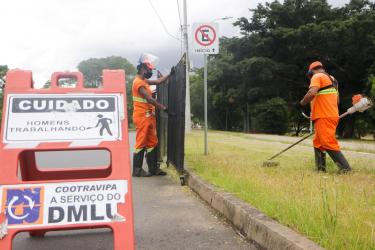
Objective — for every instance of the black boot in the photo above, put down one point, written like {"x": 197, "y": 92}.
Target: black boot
{"x": 137, "y": 165}
{"x": 152, "y": 162}
{"x": 340, "y": 161}
{"x": 320, "y": 160}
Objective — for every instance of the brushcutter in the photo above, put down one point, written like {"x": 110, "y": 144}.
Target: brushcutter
{"x": 360, "y": 105}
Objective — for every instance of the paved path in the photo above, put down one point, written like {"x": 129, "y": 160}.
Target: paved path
{"x": 167, "y": 216}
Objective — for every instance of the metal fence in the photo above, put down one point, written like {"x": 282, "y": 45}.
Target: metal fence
{"x": 162, "y": 121}
{"x": 171, "y": 128}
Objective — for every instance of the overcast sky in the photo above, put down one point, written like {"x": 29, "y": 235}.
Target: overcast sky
{"x": 54, "y": 35}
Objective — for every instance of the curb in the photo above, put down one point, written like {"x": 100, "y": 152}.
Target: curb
{"x": 252, "y": 223}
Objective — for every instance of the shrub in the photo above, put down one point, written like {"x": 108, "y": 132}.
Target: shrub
{"x": 271, "y": 117}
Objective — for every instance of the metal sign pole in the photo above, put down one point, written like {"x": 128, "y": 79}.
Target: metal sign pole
{"x": 206, "y": 42}
{"x": 205, "y": 107}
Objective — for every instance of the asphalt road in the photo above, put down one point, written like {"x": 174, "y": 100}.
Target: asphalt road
{"x": 167, "y": 216}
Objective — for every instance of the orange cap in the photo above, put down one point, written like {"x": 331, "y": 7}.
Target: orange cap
{"x": 149, "y": 60}
{"x": 149, "y": 65}
{"x": 315, "y": 64}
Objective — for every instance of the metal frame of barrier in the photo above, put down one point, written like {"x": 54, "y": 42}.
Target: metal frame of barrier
{"x": 26, "y": 202}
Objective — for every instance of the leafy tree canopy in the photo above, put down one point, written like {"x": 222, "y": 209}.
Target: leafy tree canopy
{"x": 279, "y": 40}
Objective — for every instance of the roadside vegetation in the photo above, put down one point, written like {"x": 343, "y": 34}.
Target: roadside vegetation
{"x": 3, "y": 70}
{"x": 336, "y": 211}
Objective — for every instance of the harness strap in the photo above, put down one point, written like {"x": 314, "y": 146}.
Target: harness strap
{"x": 326, "y": 87}
{"x": 329, "y": 89}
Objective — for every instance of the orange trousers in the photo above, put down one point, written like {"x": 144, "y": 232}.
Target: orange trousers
{"x": 145, "y": 127}
{"x": 325, "y": 134}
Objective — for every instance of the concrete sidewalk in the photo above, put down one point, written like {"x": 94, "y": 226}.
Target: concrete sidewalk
{"x": 167, "y": 216}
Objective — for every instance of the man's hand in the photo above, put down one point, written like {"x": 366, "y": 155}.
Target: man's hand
{"x": 161, "y": 106}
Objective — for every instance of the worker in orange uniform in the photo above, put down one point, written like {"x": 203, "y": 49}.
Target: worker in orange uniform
{"x": 144, "y": 117}
{"x": 324, "y": 97}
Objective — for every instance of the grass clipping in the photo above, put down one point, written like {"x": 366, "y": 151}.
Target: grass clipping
{"x": 336, "y": 211}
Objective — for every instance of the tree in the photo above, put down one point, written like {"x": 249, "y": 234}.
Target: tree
{"x": 300, "y": 31}
{"x": 271, "y": 59}
{"x": 92, "y": 70}
{"x": 271, "y": 117}
{"x": 3, "y": 70}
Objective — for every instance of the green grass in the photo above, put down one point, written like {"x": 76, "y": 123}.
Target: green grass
{"x": 336, "y": 211}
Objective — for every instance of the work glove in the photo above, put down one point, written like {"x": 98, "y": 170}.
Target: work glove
{"x": 173, "y": 71}
{"x": 299, "y": 106}
{"x": 304, "y": 109}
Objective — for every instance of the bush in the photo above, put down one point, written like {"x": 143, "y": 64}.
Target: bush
{"x": 271, "y": 117}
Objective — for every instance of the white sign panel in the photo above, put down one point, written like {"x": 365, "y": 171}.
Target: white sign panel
{"x": 62, "y": 203}
{"x": 205, "y": 38}
{"x": 63, "y": 117}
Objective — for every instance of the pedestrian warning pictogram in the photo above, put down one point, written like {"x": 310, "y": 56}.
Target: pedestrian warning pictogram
{"x": 39, "y": 200}
{"x": 205, "y": 38}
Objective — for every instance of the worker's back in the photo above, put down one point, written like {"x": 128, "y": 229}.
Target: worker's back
{"x": 325, "y": 103}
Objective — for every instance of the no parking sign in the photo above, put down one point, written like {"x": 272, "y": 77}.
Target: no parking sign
{"x": 205, "y": 38}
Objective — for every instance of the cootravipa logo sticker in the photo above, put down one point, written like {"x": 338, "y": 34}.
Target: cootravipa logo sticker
{"x": 62, "y": 203}
{"x": 23, "y": 206}
{"x": 68, "y": 117}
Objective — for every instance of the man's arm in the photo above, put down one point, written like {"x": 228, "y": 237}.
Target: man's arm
{"x": 161, "y": 78}
{"x": 145, "y": 95}
{"x": 158, "y": 81}
{"x": 309, "y": 96}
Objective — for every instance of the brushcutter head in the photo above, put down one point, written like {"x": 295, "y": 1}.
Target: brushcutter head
{"x": 270, "y": 164}
{"x": 360, "y": 105}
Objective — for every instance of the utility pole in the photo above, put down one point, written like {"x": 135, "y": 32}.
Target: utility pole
{"x": 186, "y": 50}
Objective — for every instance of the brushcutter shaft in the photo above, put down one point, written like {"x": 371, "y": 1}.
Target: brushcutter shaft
{"x": 299, "y": 141}
{"x": 344, "y": 114}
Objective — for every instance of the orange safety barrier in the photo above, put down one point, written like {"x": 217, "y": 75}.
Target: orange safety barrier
{"x": 58, "y": 118}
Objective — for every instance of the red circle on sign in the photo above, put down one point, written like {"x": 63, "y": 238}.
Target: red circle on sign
{"x": 211, "y": 40}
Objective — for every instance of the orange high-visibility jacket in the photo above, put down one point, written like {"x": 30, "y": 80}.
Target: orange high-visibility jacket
{"x": 325, "y": 103}
{"x": 140, "y": 104}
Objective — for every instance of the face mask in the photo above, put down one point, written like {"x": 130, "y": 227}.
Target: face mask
{"x": 148, "y": 74}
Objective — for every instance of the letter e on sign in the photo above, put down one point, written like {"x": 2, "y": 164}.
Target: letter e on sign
{"x": 205, "y": 38}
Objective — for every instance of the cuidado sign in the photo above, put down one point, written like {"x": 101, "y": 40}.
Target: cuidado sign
{"x": 205, "y": 38}
{"x": 67, "y": 117}
{"x": 62, "y": 203}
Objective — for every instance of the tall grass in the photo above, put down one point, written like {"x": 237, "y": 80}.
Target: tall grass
{"x": 336, "y": 211}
